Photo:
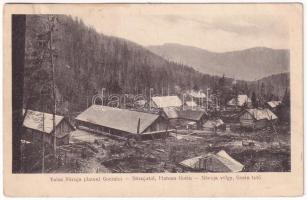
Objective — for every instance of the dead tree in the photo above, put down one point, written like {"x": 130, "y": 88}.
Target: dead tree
{"x": 18, "y": 61}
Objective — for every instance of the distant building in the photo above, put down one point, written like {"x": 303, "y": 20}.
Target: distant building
{"x": 199, "y": 97}
{"x": 170, "y": 113}
{"x": 184, "y": 117}
{"x": 141, "y": 103}
{"x": 166, "y": 101}
{"x": 197, "y": 94}
{"x": 214, "y": 125}
{"x": 257, "y": 118}
{"x": 190, "y": 103}
{"x": 219, "y": 162}
{"x": 197, "y": 116}
{"x": 121, "y": 122}
{"x": 241, "y": 100}
{"x": 272, "y": 105}
{"x": 39, "y": 125}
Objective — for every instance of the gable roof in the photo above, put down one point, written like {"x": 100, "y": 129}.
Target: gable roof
{"x": 173, "y": 113}
{"x": 232, "y": 164}
{"x": 194, "y": 115}
{"x": 170, "y": 112}
{"x": 34, "y": 120}
{"x": 191, "y": 103}
{"x": 192, "y": 163}
{"x": 198, "y": 94}
{"x": 241, "y": 100}
{"x": 273, "y": 104}
{"x": 213, "y": 123}
{"x": 119, "y": 119}
{"x": 259, "y": 114}
{"x": 221, "y": 157}
{"x": 167, "y": 101}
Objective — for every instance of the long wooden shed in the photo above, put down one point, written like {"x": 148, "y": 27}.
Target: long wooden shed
{"x": 121, "y": 122}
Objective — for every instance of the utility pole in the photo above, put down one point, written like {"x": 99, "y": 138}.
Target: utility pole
{"x": 43, "y": 109}
{"x": 102, "y": 91}
{"x": 51, "y": 24}
{"x": 167, "y": 89}
{"x": 208, "y": 98}
{"x": 149, "y": 100}
{"x": 43, "y": 141}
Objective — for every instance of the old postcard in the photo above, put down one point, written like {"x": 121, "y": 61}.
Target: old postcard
{"x": 153, "y": 100}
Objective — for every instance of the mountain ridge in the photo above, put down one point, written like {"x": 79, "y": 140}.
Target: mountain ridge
{"x": 249, "y": 64}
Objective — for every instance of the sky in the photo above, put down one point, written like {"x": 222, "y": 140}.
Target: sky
{"x": 218, "y": 28}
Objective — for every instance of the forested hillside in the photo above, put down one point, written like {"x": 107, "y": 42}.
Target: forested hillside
{"x": 87, "y": 61}
{"x": 272, "y": 85}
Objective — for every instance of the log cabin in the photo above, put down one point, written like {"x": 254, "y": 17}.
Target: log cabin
{"x": 257, "y": 118}
{"x": 38, "y": 126}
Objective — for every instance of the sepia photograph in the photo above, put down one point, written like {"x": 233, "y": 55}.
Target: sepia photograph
{"x": 153, "y": 88}
{"x": 95, "y": 102}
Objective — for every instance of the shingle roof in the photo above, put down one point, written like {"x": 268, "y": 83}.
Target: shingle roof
{"x": 191, "y": 162}
{"x": 34, "y": 120}
{"x": 191, "y": 103}
{"x": 167, "y": 101}
{"x": 119, "y": 119}
{"x": 194, "y": 115}
{"x": 222, "y": 157}
{"x": 259, "y": 114}
{"x": 198, "y": 94}
{"x": 213, "y": 123}
{"x": 173, "y": 113}
{"x": 241, "y": 100}
{"x": 273, "y": 104}
{"x": 229, "y": 162}
{"x": 170, "y": 112}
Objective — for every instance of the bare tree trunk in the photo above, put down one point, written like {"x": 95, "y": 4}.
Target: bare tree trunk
{"x": 18, "y": 61}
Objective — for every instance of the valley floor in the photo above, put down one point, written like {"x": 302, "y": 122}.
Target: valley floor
{"x": 91, "y": 153}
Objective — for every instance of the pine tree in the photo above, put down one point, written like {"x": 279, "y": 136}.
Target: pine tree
{"x": 254, "y": 100}
{"x": 286, "y": 98}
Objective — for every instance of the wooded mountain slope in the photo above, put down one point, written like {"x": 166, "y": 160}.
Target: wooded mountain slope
{"x": 249, "y": 64}
{"x": 87, "y": 61}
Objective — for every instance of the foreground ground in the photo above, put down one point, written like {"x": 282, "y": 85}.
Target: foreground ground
{"x": 91, "y": 153}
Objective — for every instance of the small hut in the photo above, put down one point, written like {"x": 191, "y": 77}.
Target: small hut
{"x": 257, "y": 118}
{"x": 219, "y": 162}
{"x": 240, "y": 101}
{"x": 39, "y": 126}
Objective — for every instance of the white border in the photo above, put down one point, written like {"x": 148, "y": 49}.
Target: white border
{"x": 135, "y": 1}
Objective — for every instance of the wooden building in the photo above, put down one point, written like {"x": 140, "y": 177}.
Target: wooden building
{"x": 199, "y": 97}
{"x": 184, "y": 117}
{"x": 272, "y": 105}
{"x": 38, "y": 126}
{"x": 214, "y": 125}
{"x": 212, "y": 162}
{"x": 240, "y": 101}
{"x": 257, "y": 118}
{"x": 191, "y": 104}
{"x": 165, "y": 102}
{"x": 122, "y": 122}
